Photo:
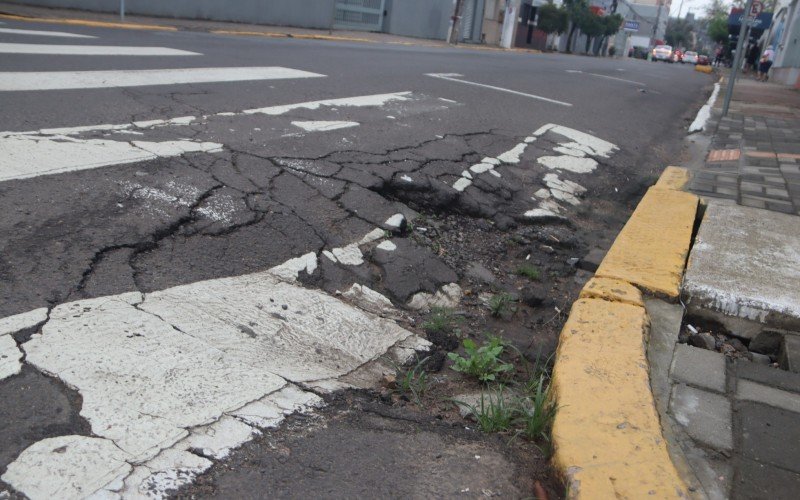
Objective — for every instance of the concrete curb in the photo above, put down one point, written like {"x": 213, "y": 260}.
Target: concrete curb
{"x": 86, "y": 22}
{"x": 607, "y": 433}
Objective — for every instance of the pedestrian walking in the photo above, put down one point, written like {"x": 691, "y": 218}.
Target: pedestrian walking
{"x": 765, "y": 63}
{"x": 718, "y": 56}
{"x": 752, "y": 58}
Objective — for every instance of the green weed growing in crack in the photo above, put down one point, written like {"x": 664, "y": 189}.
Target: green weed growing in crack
{"x": 441, "y": 320}
{"x": 529, "y": 271}
{"x": 493, "y": 413}
{"x": 482, "y": 362}
{"x": 502, "y": 304}
{"x": 413, "y": 381}
{"x": 537, "y": 411}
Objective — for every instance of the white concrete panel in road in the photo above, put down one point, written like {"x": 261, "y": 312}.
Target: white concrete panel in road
{"x": 90, "y": 50}
{"x": 62, "y": 80}
{"x": 199, "y": 366}
{"x": 60, "y": 34}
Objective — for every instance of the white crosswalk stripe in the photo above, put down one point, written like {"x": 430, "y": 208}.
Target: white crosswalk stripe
{"x": 90, "y": 50}
{"x": 60, "y": 34}
{"x": 63, "y": 80}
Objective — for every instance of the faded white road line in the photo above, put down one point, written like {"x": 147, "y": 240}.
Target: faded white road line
{"x": 91, "y": 50}
{"x": 204, "y": 366}
{"x": 704, "y": 113}
{"x": 59, "y": 34}
{"x": 61, "y": 80}
{"x": 451, "y": 78}
{"x": 577, "y": 71}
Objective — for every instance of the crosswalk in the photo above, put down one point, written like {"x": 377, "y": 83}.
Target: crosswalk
{"x": 210, "y": 363}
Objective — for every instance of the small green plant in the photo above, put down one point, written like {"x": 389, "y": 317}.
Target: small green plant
{"x": 413, "y": 380}
{"x": 501, "y": 304}
{"x": 441, "y": 320}
{"x": 482, "y": 362}
{"x": 537, "y": 415}
{"x": 493, "y": 414}
{"x": 529, "y": 271}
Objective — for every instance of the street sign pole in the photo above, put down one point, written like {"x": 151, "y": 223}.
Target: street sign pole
{"x": 738, "y": 58}
{"x": 122, "y": 10}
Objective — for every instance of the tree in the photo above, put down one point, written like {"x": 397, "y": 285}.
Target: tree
{"x": 679, "y": 32}
{"x": 611, "y": 25}
{"x": 577, "y": 10}
{"x": 717, "y": 8}
{"x": 592, "y": 26}
{"x": 552, "y": 19}
{"x": 718, "y": 29}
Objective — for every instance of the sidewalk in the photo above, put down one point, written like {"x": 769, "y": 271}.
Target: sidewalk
{"x": 730, "y": 399}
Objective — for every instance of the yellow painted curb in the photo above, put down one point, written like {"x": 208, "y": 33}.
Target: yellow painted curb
{"x": 673, "y": 178}
{"x": 650, "y": 251}
{"x": 612, "y": 290}
{"x": 606, "y": 432}
{"x": 86, "y": 22}
{"x": 704, "y": 69}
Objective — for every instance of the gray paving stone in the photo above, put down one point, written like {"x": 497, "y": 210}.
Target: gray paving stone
{"x": 767, "y": 375}
{"x": 752, "y": 202}
{"x": 699, "y": 367}
{"x": 747, "y": 390}
{"x": 705, "y": 416}
{"x": 665, "y": 325}
{"x": 789, "y": 357}
{"x": 755, "y": 480}
{"x": 769, "y": 435}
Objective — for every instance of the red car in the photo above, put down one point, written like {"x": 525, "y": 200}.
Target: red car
{"x": 703, "y": 60}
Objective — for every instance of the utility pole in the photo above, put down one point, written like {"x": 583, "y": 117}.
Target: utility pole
{"x": 737, "y": 60}
{"x": 122, "y": 10}
{"x": 453, "y": 38}
{"x": 658, "y": 20}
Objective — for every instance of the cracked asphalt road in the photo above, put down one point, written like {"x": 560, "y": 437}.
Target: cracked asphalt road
{"x": 112, "y": 197}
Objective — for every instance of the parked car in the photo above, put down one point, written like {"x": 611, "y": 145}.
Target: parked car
{"x": 677, "y": 56}
{"x": 662, "y": 53}
{"x": 703, "y": 60}
{"x": 689, "y": 57}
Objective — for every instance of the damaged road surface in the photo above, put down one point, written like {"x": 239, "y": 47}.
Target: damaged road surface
{"x": 218, "y": 254}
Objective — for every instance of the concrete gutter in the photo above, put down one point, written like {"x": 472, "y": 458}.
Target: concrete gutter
{"x": 607, "y": 433}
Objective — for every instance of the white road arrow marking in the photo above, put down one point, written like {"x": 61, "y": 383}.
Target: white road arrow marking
{"x": 60, "y": 80}
{"x": 451, "y": 77}
{"x": 59, "y": 34}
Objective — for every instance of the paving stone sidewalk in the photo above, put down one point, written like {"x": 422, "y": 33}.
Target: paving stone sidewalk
{"x": 732, "y": 422}
{"x": 755, "y": 149}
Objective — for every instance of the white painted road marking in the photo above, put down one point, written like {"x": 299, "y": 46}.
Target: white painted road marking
{"x": 576, "y": 71}
{"x": 199, "y": 366}
{"x": 57, "y": 150}
{"x": 60, "y": 80}
{"x": 704, "y": 114}
{"x": 450, "y": 77}
{"x": 27, "y": 156}
{"x": 91, "y": 50}
{"x": 59, "y": 34}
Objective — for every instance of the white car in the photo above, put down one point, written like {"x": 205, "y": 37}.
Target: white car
{"x": 689, "y": 57}
{"x": 662, "y": 53}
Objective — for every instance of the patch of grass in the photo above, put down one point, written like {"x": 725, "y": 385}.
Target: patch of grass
{"x": 529, "y": 271}
{"x": 501, "y": 304}
{"x": 441, "y": 320}
{"x": 536, "y": 415}
{"x": 413, "y": 381}
{"x": 493, "y": 414}
{"x": 482, "y": 362}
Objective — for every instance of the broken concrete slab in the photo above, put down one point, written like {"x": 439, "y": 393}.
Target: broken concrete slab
{"x": 789, "y": 356}
{"x": 699, "y": 368}
{"x": 746, "y": 263}
{"x": 705, "y": 416}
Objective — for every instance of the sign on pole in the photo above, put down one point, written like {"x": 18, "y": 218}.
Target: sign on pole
{"x": 631, "y": 26}
{"x": 756, "y": 9}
